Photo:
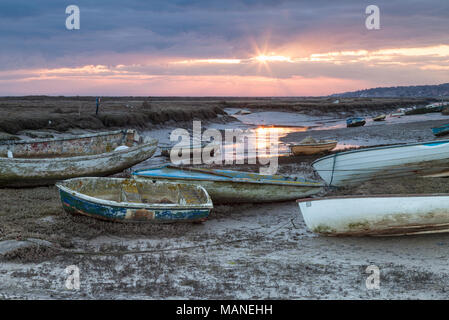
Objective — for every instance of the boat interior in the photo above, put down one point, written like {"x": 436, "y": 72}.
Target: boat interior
{"x": 138, "y": 191}
{"x": 88, "y": 144}
{"x": 186, "y": 173}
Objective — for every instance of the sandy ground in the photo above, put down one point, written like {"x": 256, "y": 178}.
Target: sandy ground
{"x": 248, "y": 251}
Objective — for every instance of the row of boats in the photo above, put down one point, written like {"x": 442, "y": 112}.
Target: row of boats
{"x": 360, "y": 121}
{"x": 171, "y": 193}
{"x": 430, "y": 108}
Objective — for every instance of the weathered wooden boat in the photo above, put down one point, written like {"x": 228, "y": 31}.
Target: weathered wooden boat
{"x": 435, "y": 107}
{"x": 398, "y": 113}
{"x": 45, "y": 161}
{"x": 352, "y": 167}
{"x": 243, "y": 112}
{"x": 441, "y": 130}
{"x": 313, "y": 147}
{"x": 192, "y": 150}
{"x": 416, "y": 110}
{"x": 379, "y": 117}
{"x": 355, "y": 122}
{"x": 134, "y": 200}
{"x": 376, "y": 215}
{"x": 228, "y": 186}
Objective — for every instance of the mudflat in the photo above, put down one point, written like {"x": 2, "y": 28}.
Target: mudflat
{"x": 252, "y": 251}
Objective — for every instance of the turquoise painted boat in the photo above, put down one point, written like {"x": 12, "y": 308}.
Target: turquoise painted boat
{"x": 134, "y": 200}
{"x": 228, "y": 186}
{"x": 441, "y": 130}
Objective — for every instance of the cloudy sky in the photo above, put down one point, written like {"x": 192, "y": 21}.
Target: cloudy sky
{"x": 220, "y": 48}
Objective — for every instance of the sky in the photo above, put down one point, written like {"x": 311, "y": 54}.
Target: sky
{"x": 220, "y": 48}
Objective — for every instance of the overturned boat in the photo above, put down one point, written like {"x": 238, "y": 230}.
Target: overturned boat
{"x": 376, "y": 215}
{"x": 45, "y": 161}
{"x": 134, "y": 200}
{"x": 228, "y": 186}
{"x": 352, "y": 167}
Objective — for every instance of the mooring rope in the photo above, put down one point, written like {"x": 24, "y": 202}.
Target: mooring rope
{"x": 217, "y": 243}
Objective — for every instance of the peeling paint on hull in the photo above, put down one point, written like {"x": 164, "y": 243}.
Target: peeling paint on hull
{"x": 376, "y": 215}
{"x": 228, "y": 192}
{"x": 92, "y": 159}
{"x": 238, "y": 187}
{"x": 184, "y": 203}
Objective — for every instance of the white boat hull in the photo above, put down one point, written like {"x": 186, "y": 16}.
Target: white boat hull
{"x": 352, "y": 167}
{"x": 376, "y": 215}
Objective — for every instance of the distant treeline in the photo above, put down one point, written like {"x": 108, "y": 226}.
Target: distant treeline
{"x": 425, "y": 91}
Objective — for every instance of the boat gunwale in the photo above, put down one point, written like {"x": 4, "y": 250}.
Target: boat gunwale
{"x": 318, "y": 144}
{"x": 374, "y": 196}
{"x": 288, "y": 183}
{"x": 377, "y": 148}
{"x": 444, "y": 126}
{"x": 154, "y": 206}
{"x": 152, "y": 142}
{"x": 75, "y": 137}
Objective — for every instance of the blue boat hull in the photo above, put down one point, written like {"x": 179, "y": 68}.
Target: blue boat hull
{"x": 441, "y": 131}
{"x": 75, "y": 205}
{"x": 355, "y": 122}
{"x": 229, "y": 186}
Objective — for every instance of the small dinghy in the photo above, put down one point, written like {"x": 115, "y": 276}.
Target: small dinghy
{"x": 242, "y": 112}
{"x": 191, "y": 150}
{"x": 441, "y": 130}
{"x": 134, "y": 200}
{"x": 228, "y": 186}
{"x": 310, "y": 146}
{"x": 380, "y": 117}
{"x": 44, "y": 161}
{"x": 398, "y": 113}
{"x": 353, "y": 167}
{"x": 355, "y": 122}
{"x": 376, "y": 215}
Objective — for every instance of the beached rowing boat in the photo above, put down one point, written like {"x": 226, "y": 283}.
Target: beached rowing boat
{"x": 134, "y": 200}
{"x": 314, "y": 147}
{"x": 190, "y": 150}
{"x": 397, "y": 114}
{"x": 45, "y": 161}
{"x": 376, "y": 215}
{"x": 441, "y": 130}
{"x": 379, "y": 117}
{"x": 355, "y": 122}
{"x": 352, "y": 167}
{"x": 228, "y": 186}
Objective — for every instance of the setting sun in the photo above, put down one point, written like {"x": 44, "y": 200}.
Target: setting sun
{"x": 265, "y": 59}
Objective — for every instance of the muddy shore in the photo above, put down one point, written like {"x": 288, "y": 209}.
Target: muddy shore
{"x": 249, "y": 251}
{"x": 67, "y": 113}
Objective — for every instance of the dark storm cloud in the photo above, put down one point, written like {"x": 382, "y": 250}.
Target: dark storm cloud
{"x": 33, "y": 33}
